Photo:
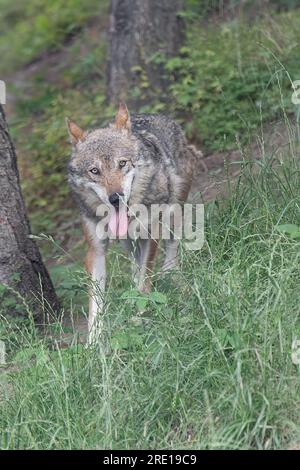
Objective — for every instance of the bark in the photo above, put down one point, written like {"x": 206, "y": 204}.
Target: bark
{"x": 21, "y": 265}
{"x": 141, "y": 32}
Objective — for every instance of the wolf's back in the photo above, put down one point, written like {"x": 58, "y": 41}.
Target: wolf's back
{"x": 161, "y": 134}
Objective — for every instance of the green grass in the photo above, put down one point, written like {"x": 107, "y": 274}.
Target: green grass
{"x": 209, "y": 367}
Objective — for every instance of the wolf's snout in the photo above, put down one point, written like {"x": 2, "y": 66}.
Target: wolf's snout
{"x": 114, "y": 199}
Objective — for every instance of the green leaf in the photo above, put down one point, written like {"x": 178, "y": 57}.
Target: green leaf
{"x": 290, "y": 229}
{"x": 142, "y": 303}
{"x": 3, "y": 288}
{"x": 132, "y": 294}
{"x": 158, "y": 297}
{"x": 227, "y": 339}
{"x": 15, "y": 277}
{"x": 126, "y": 340}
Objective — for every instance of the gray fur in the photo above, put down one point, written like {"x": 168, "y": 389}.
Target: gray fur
{"x": 158, "y": 150}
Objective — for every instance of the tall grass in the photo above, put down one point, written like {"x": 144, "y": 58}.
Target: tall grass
{"x": 208, "y": 366}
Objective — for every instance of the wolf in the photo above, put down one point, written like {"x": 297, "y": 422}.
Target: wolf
{"x": 137, "y": 159}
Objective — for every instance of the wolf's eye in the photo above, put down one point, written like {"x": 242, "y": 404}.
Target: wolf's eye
{"x": 95, "y": 171}
{"x": 122, "y": 163}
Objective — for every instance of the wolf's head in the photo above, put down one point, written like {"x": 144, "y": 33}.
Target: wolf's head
{"x": 103, "y": 161}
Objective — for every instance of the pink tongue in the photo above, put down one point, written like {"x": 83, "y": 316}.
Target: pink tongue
{"x": 118, "y": 222}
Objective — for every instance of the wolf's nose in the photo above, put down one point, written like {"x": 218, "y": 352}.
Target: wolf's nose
{"x": 114, "y": 198}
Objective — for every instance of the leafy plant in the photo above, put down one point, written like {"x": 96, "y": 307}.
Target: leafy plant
{"x": 142, "y": 301}
{"x": 231, "y": 79}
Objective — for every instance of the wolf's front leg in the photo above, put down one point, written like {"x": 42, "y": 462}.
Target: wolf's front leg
{"x": 95, "y": 265}
{"x": 172, "y": 256}
{"x": 148, "y": 251}
{"x": 96, "y": 295}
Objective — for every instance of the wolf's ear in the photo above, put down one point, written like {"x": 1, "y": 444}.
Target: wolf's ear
{"x": 75, "y": 132}
{"x": 122, "y": 120}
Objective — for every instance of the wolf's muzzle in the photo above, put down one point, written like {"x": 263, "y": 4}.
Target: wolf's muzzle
{"x": 114, "y": 199}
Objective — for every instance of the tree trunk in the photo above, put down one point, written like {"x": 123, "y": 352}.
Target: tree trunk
{"x": 142, "y": 34}
{"x": 21, "y": 268}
